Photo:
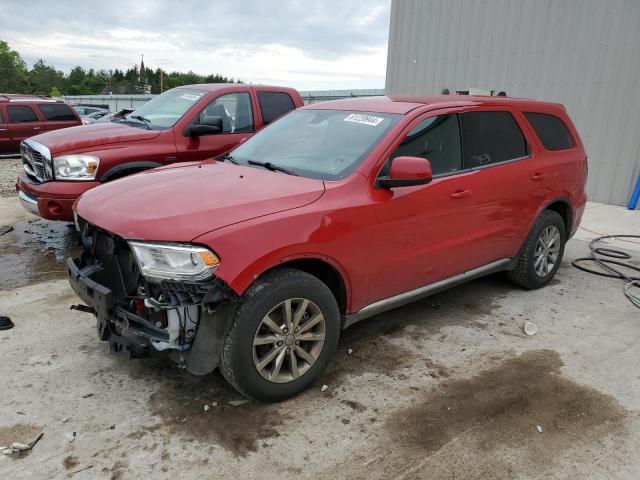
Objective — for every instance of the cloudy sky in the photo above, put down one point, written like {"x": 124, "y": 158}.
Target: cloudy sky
{"x": 329, "y": 44}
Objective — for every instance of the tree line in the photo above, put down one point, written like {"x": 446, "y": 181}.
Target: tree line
{"x": 43, "y": 79}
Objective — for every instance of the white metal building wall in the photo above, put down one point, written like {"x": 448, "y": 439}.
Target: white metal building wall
{"x": 584, "y": 54}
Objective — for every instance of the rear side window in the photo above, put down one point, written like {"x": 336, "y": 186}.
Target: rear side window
{"x": 21, "y": 114}
{"x": 552, "y": 131}
{"x": 436, "y": 139}
{"x": 274, "y": 104}
{"x": 56, "y": 112}
{"x": 492, "y": 137}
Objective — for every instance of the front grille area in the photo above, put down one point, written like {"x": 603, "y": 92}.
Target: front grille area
{"x": 119, "y": 271}
{"x": 37, "y": 165}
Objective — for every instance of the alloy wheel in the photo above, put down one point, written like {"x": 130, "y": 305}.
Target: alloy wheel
{"x": 547, "y": 250}
{"x": 288, "y": 340}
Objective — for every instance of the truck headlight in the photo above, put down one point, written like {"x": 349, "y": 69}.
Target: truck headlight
{"x": 75, "y": 167}
{"x": 174, "y": 261}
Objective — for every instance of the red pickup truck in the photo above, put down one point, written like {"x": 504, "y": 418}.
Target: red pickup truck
{"x": 184, "y": 124}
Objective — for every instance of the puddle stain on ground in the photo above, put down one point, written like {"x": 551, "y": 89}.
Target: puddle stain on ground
{"x": 20, "y": 433}
{"x": 178, "y": 399}
{"x": 372, "y": 340}
{"x": 487, "y": 425}
{"x": 35, "y": 251}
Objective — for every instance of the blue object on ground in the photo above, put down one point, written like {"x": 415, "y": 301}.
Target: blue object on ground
{"x": 635, "y": 196}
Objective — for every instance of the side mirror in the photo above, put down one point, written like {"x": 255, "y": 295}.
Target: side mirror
{"x": 207, "y": 126}
{"x": 406, "y": 172}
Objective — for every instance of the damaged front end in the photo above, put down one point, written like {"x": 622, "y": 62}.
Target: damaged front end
{"x": 140, "y": 309}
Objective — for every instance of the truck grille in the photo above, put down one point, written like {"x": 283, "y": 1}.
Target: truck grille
{"x": 119, "y": 271}
{"x": 36, "y": 163}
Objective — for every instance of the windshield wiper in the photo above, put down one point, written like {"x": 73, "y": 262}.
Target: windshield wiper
{"x": 227, "y": 157}
{"x": 272, "y": 167}
{"x": 144, "y": 120}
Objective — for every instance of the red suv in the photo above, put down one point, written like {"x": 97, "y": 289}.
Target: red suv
{"x": 22, "y": 116}
{"x": 336, "y": 212}
{"x": 187, "y": 123}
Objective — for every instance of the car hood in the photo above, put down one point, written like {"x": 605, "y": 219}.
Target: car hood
{"x": 181, "y": 202}
{"x": 85, "y": 136}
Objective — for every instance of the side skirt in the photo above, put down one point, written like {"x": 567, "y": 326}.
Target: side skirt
{"x": 422, "y": 292}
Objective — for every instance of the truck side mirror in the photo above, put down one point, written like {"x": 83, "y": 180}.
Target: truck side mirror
{"x": 207, "y": 126}
{"x": 406, "y": 172}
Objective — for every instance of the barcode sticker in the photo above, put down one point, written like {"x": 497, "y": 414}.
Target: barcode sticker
{"x": 190, "y": 96}
{"x": 363, "y": 119}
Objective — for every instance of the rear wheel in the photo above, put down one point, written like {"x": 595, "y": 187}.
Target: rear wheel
{"x": 541, "y": 253}
{"x": 283, "y": 335}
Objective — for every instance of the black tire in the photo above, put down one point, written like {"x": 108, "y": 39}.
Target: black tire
{"x": 236, "y": 362}
{"x": 524, "y": 273}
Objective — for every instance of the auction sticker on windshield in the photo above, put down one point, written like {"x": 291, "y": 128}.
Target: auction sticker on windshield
{"x": 190, "y": 96}
{"x": 364, "y": 119}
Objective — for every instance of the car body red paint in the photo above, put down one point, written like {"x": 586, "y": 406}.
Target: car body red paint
{"x": 124, "y": 149}
{"x": 380, "y": 241}
{"x": 22, "y": 116}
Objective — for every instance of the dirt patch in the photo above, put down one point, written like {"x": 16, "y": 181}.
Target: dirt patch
{"x": 178, "y": 400}
{"x": 70, "y": 462}
{"x": 9, "y": 170}
{"x": 21, "y": 433}
{"x": 118, "y": 470}
{"x": 356, "y": 406}
{"x": 374, "y": 343}
{"x": 35, "y": 252}
{"x": 487, "y": 425}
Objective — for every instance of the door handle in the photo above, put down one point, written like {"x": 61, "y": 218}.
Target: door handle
{"x": 539, "y": 176}
{"x": 460, "y": 194}
{"x": 36, "y": 128}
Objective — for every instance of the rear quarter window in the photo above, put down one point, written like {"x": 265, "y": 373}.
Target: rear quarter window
{"x": 274, "y": 105}
{"x": 551, "y": 130}
{"x": 56, "y": 112}
{"x": 21, "y": 114}
{"x": 492, "y": 137}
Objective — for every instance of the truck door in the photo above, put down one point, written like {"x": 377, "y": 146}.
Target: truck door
{"x": 23, "y": 123}
{"x": 238, "y": 124}
{"x": 424, "y": 234}
{"x": 5, "y": 139}
{"x": 57, "y": 115}
{"x": 507, "y": 194}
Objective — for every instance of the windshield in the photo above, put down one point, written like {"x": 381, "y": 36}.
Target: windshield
{"x": 322, "y": 144}
{"x": 166, "y": 109}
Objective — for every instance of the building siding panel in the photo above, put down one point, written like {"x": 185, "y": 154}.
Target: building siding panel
{"x": 584, "y": 54}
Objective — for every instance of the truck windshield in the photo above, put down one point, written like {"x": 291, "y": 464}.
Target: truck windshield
{"x": 165, "y": 110}
{"x": 322, "y": 144}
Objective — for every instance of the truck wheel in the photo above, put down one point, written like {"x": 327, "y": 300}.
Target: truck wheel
{"x": 541, "y": 253}
{"x": 283, "y": 334}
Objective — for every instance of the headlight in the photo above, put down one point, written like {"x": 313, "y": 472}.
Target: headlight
{"x": 174, "y": 262}
{"x": 75, "y": 167}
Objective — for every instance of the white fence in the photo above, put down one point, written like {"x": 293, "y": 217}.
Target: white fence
{"x": 118, "y": 102}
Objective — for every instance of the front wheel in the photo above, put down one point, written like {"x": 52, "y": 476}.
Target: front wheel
{"x": 541, "y": 253}
{"x": 283, "y": 335}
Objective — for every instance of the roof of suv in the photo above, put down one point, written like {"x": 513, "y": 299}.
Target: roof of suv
{"x": 405, "y": 104}
{"x": 212, "y": 87}
{"x": 14, "y": 97}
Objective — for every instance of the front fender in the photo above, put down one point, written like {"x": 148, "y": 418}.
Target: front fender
{"x": 127, "y": 168}
{"x": 249, "y": 249}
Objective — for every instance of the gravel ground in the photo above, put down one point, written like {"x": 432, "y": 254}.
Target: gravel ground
{"x": 9, "y": 168}
{"x": 447, "y": 387}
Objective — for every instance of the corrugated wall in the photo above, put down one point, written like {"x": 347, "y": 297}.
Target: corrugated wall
{"x": 584, "y": 54}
